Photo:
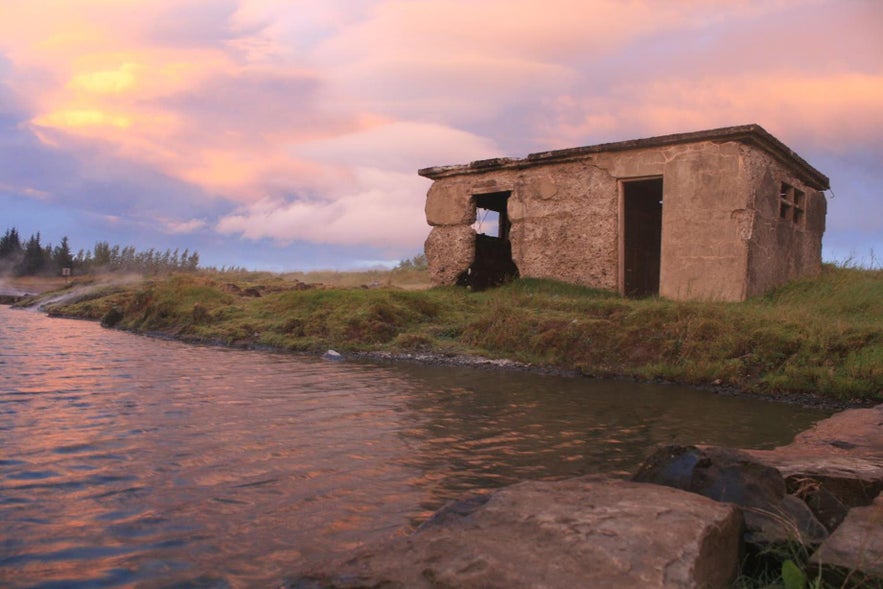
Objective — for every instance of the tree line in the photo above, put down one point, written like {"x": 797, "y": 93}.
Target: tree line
{"x": 32, "y": 258}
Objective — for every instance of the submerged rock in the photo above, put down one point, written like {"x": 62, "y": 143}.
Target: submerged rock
{"x": 588, "y": 532}
{"x": 332, "y": 355}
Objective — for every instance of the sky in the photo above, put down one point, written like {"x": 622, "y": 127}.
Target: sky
{"x": 287, "y": 134}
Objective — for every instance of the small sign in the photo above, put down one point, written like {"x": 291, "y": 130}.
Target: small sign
{"x": 65, "y": 271}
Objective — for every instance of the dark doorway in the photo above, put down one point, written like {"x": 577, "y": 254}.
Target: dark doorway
{"x": 493, "y": 263}
{"x": 642, "y": 236}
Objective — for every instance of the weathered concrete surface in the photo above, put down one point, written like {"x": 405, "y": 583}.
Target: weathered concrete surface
{"x": 446, "y": 205}
{"x": 855, "y": 550}
{"x": 449, "y": 251}
{"x": 589, "y": 532}
{"x": 771, "y": 515}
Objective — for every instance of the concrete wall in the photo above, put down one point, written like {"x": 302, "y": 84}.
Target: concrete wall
{"x": 704, "y": 247}
{"x": 780, "y": 250}
{"x": 721, "y": 236}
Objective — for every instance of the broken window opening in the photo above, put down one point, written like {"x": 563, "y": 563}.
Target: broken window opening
{"x": 487, "y": 222}
{"x": 642, "y": 236}
{"x": 792, "y": 204}
{"x": 492, "y": 264}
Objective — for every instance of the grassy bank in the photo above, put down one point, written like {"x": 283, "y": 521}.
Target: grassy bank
{"x": 822, "y": 335}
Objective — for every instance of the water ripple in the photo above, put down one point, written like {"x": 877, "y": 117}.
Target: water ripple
{"x": 129, "y": 461}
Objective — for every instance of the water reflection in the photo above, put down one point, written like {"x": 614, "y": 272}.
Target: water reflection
{"x": 480, "y": 428}
{"x": 127, "y": 460}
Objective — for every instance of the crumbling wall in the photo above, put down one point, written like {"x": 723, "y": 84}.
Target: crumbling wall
{"x": 450, "y": 210}
{"x": 563, "y": 222}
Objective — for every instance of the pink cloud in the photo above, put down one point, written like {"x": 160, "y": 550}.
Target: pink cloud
{"x": 309, "y": 119}
{"x": 378, "y": 202}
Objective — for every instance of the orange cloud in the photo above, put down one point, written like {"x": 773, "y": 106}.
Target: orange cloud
{"x": 312, "y": 122}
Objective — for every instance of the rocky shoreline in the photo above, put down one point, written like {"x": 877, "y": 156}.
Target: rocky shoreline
{"x": 690, "y": 517}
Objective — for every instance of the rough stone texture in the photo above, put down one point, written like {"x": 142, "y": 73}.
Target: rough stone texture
{"x": 556, "y": 236}
{"x": 449, "y": 251}
{"x": 704, "y": 255}
{"x": 590, "y": 532}
{"x": 722, "y": 236}
{"x": 770, "y": 236}
{"x": 855, "y": 550}
{"x": 837, "y": 468}
{"x": 835, "y": 465}
{"x": 447, "y": 205}
{"x": 723, "y": 474}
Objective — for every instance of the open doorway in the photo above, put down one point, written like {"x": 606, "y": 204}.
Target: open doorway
{"x": 641, "y": 236}
{"x": 492, "y": 264}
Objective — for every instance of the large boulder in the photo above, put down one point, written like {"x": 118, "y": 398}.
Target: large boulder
{"x": 588, "y": 532}
{"x": 853, "y": 555}
{"x": 723, "y": 474}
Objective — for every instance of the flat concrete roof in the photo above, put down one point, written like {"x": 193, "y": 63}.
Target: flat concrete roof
{"x": 750, "y": 134}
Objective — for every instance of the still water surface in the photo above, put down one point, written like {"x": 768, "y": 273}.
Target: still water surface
{"x": 128, "y": 461}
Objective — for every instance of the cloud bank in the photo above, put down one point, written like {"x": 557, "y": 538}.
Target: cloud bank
{"x": 280, "y": 125}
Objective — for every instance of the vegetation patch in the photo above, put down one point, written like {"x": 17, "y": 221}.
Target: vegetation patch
{"x": 822, "y": 335}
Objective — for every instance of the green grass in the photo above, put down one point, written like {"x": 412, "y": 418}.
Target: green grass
{"x": 822, "y": 335}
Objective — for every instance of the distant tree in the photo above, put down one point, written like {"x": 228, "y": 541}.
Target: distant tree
{"x": 34, "y": 260}
{"x": 127, "y": 259}
{"x": 101, "y": 256}
{"x": 418, "y": 262}
{"x": 192, "y": 261}
{"x": 10, "y": 244}
{"x": 61, "y": 256}
{"x": 11, "y": 251}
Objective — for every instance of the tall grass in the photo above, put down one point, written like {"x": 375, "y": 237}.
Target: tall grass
{"x": 822, "y": 335}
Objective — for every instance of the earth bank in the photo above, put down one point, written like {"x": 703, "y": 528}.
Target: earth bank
{"x": 821, "y": 336}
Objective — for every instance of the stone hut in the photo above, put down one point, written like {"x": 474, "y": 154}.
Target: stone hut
{"x": 722, "y": 214}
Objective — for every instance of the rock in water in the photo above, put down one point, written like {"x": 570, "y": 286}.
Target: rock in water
{"x": 332, "y": 355}
{"x": 587, "y": 532}
{"x": 723, "y": 474}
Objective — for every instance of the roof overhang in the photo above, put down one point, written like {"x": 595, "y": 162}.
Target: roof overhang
{"x": 749, "y": 134}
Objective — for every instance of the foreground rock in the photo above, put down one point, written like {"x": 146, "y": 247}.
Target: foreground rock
{"x": 824, "y": 482}
{"x": 588, "y": 532}
{"x": 837, "y": 468}
{"x": 853, "y": 555}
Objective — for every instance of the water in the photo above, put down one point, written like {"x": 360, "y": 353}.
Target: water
{"x": 128, "y": 461}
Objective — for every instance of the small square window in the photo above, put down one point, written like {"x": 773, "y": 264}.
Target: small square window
{"x": 792, "y": 204}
